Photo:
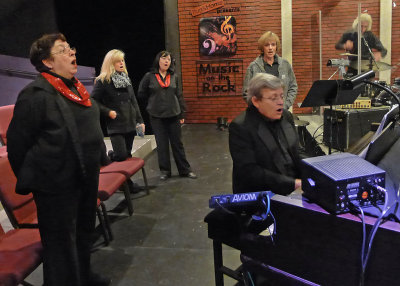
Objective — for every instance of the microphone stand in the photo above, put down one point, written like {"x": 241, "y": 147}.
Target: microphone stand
{"x": 341, "y": 71}
{"x": 372, "y": 56}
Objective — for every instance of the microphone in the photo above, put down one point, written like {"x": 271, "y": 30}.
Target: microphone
{"x": 357, "y": 80}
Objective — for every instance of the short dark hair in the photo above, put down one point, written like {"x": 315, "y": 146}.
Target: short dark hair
{"x": 156, "y": 62}
{"x": 40, "y": 50}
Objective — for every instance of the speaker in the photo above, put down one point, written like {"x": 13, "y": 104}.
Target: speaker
{"x": 349, "y": 125}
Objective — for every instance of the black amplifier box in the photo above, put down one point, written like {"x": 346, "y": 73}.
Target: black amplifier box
{"x": 349, "y": 125}
{"x": 335, "y": 181}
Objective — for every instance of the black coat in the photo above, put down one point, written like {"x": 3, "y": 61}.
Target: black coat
{"x": 121, "y": 100}
{"x": 53, "y": 143}
{"x": 162, "y": 102}
{"x": 257, "y": 159}
{"x": 371, "y": 39}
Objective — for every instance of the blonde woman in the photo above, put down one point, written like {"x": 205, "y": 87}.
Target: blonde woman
{"x": 114, "y": 93}
{"x": 349, "y": 41}
{"x": 269, "y": 62}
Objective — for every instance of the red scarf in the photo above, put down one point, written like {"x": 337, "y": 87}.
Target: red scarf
{"x": 167, "y": 80}
{"x": 61, "y": 87}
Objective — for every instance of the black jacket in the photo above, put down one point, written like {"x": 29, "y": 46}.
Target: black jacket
{"x": 121, "y": 100}
{"x": 257, "y": 159}
{"x": 162, "y": 102}
{"x": 371, "y": 39}
{"x": 53, "y": 143}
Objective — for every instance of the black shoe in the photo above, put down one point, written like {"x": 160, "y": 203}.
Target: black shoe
{"x": 98, "y": 280}
{"x": 164, "y": 177}
{"x": 190, "y": 175}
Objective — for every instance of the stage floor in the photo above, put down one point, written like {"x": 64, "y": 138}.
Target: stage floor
{"x": 165, "y": 241}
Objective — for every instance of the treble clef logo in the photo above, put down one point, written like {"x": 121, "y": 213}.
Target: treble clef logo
{"x": 227, "y": 29}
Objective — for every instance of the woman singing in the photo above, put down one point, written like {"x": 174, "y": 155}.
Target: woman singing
{"x": 166, "y": 107}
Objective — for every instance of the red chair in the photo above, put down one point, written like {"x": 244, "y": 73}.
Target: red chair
{"x": 20, "y": 255}
{"x": 128, "y": 168}
{"x": 104, "y": 222}
{"x": 109, "y": 183}
{"x": 20, "y": 209}
{"x": 3, "y": 151}
{"x": 6, "y": 113}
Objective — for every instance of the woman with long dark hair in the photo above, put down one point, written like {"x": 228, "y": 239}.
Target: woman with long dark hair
{"x": 166, "y": 108}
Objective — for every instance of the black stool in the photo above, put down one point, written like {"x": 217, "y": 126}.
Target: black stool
{"x": 224, "y": 228}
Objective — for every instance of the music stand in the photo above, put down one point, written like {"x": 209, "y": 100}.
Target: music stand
{"x": 329, "y": 92}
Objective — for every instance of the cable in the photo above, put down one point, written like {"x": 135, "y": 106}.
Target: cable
{"x": 367, "y": 245}
{"x": 359, "y": 209}
{"x": 313, "y": 136}
{"x": 250, "y": 278}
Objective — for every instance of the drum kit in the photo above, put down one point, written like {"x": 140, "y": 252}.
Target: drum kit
{"x": 367, "y": 65}
{"x": 378, "y": 96}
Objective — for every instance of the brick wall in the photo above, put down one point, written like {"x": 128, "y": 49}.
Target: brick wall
{"x": 256, "y": 17}
{"x": 336, "y": 17}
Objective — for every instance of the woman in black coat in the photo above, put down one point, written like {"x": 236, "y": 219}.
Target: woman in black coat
{"x": 166, "y": 107}
{"x": 114, "y": 93}
{"x": 54, "y": 145}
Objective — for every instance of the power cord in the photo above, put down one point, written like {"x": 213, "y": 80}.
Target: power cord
{"x": 367, "y": 242}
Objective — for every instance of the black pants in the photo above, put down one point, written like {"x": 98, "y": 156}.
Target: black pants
{"x": 66, "y": 224}
{"x": 168, "y": 131}
{"x": 122, "y": 145}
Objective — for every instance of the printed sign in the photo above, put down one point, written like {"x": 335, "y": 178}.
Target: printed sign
{"x": 207, "y": 7}
{"x": 218, "y": 36}
{"x": 219, "y": 78}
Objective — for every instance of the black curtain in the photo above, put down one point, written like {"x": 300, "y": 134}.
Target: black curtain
{"x": 95, "y": 27}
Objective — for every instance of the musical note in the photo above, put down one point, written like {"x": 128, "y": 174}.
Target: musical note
{"x": 209, "y": 44}
{"x": 227, "y": 29}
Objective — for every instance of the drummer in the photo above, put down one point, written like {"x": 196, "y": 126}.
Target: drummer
{"x": 349, "y": 43}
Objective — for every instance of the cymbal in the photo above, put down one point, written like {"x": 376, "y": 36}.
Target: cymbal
{"x": 379, "y": 66}
{"x": 348, "y": 54}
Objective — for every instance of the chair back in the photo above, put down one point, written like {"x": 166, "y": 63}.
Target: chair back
{"x": 6, "y": 113}
{"x": 20, "y": 209}
{"x": 3, "y": 151}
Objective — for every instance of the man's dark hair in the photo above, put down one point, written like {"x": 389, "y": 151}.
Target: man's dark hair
{"x": 41, "y": 50}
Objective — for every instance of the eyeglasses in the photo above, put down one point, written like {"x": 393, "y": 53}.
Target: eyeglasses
{"x": 65, "y": 50}
{"x": 274, "y": 99}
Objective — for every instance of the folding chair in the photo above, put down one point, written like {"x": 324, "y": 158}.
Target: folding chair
{"x": 109, "y": 183}
{"x": 128, "y": 168}
{"x": 20, "y": 255}
{"x": 3, "y": 151}
{"x": 20, "y": 209}
{"x": 6, "y": 113}
{"x": 104, "y": 222}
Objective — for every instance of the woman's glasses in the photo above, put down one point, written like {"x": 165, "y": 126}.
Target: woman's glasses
{"x": 64, "y": 50}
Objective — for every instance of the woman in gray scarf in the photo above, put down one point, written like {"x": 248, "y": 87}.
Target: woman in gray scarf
{"x": 114, "y": 93}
